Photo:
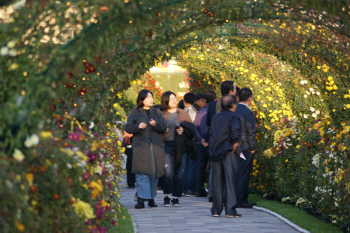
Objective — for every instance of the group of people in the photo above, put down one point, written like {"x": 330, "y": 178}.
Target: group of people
{"x": 176, "y": 141}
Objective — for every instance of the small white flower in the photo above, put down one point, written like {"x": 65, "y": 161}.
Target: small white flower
{"x": 312, "y": 109}
{"x": 11, "y": 44}
{"x": 308, "y": 93}
{"x": 92, "y": 124}
{"x": 18, "y": 155}
{"x": 69, "y": 165}
{"x": 318, "y": 93}
{"x": 317, "y": 112}
{"x": 305, "y": 116}
{"x": 305, "y": 96}
{"x": 314, "y": 115}
{"x": 32, "y": 141}
{"x": 13, "y": 53}
{"x": 4, "y": 51}
{"x": 311, "y": 89}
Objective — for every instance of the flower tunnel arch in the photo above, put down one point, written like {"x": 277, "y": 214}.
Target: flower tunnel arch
{"x": 64, "y": 65}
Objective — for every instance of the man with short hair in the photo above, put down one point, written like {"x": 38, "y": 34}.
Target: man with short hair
{"x": 191, "y": 163}
{"x": 202, "y": 145}
{"x": 199, "y": 101}
{"x": 249, "y": 146}
{"x": 225, "y": 135}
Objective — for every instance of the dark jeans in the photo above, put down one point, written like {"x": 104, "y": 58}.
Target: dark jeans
{"x": 130, "y": 177}
{"x": 190, "y": 174}
{"x": 203, "y": 158}
{"x": 245, "y": 167}
{"x": 174, "y": 174}
{"x": 225, "y": 174}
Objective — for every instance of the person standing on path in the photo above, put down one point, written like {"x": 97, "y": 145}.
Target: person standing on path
{"x": 202, "y": 145}
{"x": 179, "y": 126}
{"x": 199, "y": 101}
{"x": 225, "y": 135}
{"x": 249, "y": 146}
{"x": 191, "y": 163}
{"x": 147, "y": 124}
{"x": 127, "y": 143}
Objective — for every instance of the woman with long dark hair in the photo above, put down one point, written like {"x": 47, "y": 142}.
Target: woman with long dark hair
{"x": 147, "y": 126}
{"x": 177, "y": 139}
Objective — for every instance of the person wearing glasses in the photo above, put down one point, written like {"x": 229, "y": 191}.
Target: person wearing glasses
{"x": 147, "y": 125}
{"x": 249, "y": 146}
{"x": 178, "y": 140}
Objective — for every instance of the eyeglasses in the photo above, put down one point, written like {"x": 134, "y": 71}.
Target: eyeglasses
{"x": 173, "y": 99}
{"x": 204, "y": 101}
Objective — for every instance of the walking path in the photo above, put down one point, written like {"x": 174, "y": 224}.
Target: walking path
{"x": 194, "y": 216}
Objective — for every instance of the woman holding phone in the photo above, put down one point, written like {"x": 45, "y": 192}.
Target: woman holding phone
{"x": 178, "y": 121}
{"x": 147, "y": 126}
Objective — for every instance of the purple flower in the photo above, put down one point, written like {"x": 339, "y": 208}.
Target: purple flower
{"x": 70, "y": 136}
{"x": 86, "y": 176}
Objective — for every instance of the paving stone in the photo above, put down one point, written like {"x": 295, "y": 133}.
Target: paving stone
{"x": 194, "y": 216}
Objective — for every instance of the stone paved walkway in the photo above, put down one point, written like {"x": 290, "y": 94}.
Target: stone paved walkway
{"x": 194, "y": 216}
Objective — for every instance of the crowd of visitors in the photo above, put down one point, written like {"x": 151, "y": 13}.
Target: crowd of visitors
{"x": 179, "y": 141}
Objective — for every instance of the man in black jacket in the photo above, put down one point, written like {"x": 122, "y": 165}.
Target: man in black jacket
{"x": 225, "y": 135}
{"x": 249, "y": 146}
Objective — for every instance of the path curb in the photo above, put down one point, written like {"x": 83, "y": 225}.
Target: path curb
{"x": 283, "y": 219}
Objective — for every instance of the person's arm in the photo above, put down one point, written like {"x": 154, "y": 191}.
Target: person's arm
{"x": 236, "y": 132}
{"x": 131, "y": 125}
{"x": 160, "y": 126}
{"x": 209, "y": 116}
{"x": 197, "y": 123}
{"x": 251, "y": 132}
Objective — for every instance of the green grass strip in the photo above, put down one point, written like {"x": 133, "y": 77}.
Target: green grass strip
{"x": 295, "y": 215}
{"x": 124, "y": 225}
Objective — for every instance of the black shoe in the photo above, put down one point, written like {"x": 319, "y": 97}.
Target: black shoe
{"x": 166, "y": 201}
{"x": 247, "y": 205}
{"x": 190, "y": 194}
{"x": 140, "y": 204}
{"x": 184, "y": 193}
{"x": 152, "y": 203}
{"x": 201, "y": 194}
{"x": 210, "y": 199}
{"x": 175, "y": 202}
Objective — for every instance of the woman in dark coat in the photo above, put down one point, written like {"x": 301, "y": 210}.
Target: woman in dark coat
{"x": 147, "y": 124}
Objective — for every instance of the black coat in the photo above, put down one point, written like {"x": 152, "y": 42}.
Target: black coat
{"x": 185, "y": 142}
{"x": 248, "y": 123}
{"x": 143, "y": 138}
{"x": 225, "y": 130}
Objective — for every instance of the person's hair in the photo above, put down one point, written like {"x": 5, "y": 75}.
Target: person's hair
{"x": 164, "y": 102}
{"x": 141, "y": 97}
{"x": 181, "y": 104}
{"x": 228, "y": 101}
{"x": 244, "y": 94}
{"x": 226, "y": 87}
{"x": 237, "y": 91}
{"x": 189, "y": 98}
{"x": 210, "y": 96}
{"x": 199, "y": 96}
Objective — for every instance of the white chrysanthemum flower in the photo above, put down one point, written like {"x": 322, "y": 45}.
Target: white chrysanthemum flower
{"x": 305, "y": 96}
{"x": 92, "y": 124}
{"x": 4, "y": 51}
{"x": 317, "y": 112}
{"x": 18, "y": 155}
{"x": 13, "y": 53}
{"x": 314, "y": 115}
{"x": 312, "y": 109}
{"x": 318, "y": 93}
{"x": 32, "y": 141}
{"x": 311, "y": 89}
{"x": 305, "y": 116}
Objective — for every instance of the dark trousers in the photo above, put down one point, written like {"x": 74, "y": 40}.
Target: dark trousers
{"x": 190, "y": 174}
{"x": 225, "y": 175}
{"x": 130, "y": 177}
{"x": 245, "y": 167}
{"x": 174, "y": 174}
{"x": 203, "y": 159}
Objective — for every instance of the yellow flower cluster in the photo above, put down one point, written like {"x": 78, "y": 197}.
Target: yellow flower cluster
{"x": 269, "y": 153}
{"x": 83, "y": 209}
{"x": 282, "y": 133}
{"x": 255, "y": 168}
{"x": 331, "y": 86}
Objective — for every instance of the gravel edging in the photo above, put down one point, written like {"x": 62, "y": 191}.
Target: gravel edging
{"x": 283, "y": 219}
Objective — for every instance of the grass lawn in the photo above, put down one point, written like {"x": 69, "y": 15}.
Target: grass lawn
{"x": 124, "y": 225}
{"x": 295, "y": 215}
